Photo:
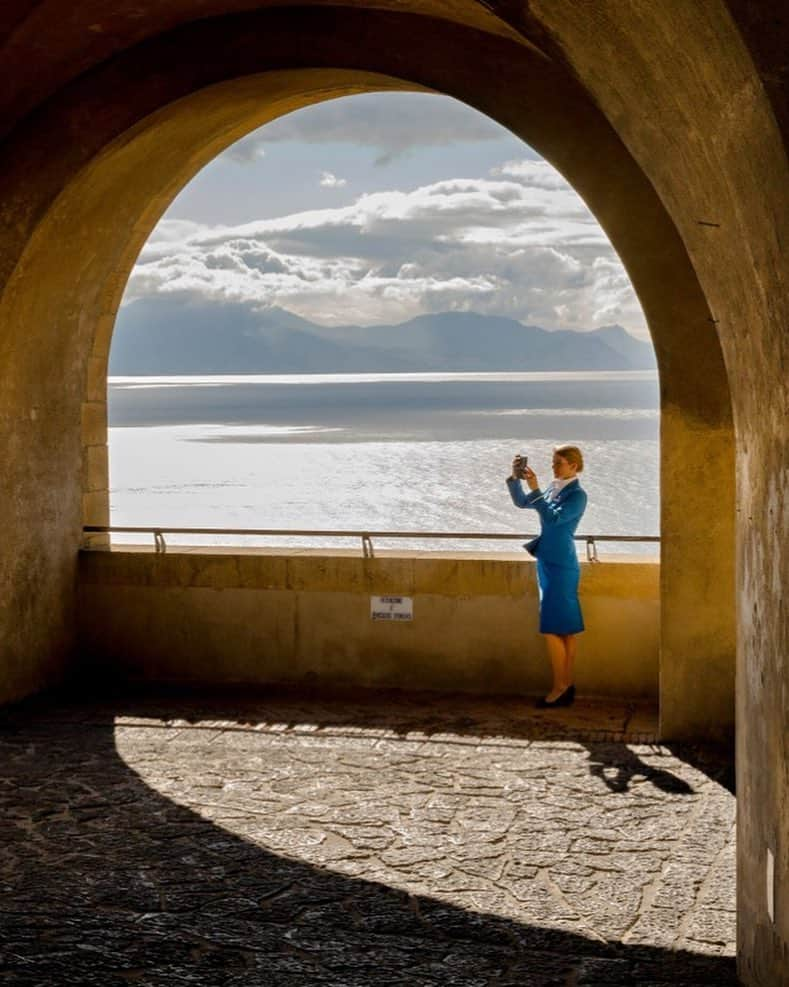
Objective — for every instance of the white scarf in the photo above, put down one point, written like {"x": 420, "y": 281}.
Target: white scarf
{"x": 556, "y": 486}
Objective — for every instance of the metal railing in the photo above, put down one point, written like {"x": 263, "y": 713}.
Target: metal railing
{"x": 366, "y": 536}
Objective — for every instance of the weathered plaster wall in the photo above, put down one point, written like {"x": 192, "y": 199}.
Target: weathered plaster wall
{"x": 260, "y": 617}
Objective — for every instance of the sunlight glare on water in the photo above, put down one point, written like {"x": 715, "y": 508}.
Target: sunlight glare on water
{"x": 430, "y": 459}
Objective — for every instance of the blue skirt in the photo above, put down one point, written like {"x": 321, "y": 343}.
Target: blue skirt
{"x": 560, "y": 611}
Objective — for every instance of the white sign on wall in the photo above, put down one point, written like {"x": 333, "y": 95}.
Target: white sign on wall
{"x": 392, "y": 607}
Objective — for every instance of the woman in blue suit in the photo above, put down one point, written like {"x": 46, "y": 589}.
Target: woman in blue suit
{"x": 560, "y": 508}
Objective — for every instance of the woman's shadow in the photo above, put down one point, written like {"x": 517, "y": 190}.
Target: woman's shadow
{"x": 617, "y": 766}
{"x": 107, "y": 881}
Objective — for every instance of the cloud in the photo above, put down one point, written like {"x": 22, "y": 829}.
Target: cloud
{"x": 247, "y": 150}
{"x": 391, "y": 123}
{"x": 518, "y": 242}
{"x": 329, "y": 180}
{"x": 173, "y": 231}
{"x": 534, "y": 174}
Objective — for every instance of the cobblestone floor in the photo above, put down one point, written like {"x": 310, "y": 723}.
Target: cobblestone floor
{"x": 390, "y": 839}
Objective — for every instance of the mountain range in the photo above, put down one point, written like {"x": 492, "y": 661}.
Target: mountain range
{"x": 180, "y": 334}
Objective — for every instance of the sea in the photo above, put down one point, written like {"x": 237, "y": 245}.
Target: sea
{"x": 407, "y": 452}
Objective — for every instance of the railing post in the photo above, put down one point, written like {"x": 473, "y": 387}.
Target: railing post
{"x": 367, "y": 547}
{"x": 159, "y": 543}
{"x": 591, "y": 549}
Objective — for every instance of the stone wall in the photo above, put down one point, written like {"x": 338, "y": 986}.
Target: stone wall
{"x": 305, "y": 618}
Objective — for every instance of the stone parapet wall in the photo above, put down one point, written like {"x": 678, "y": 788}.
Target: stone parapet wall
{"x": 259, "y": 617}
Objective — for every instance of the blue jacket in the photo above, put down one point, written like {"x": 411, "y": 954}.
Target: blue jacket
{"x": 559, "y": 519}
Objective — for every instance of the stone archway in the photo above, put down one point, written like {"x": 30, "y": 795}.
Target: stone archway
{"x": 682, "y": 103}
{"x": 157, "y": 136}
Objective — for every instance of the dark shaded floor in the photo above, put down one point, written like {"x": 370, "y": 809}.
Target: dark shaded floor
{"x": 388, "y": 839}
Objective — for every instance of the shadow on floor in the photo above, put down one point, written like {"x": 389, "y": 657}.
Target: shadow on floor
{"x": 105, "y": 881}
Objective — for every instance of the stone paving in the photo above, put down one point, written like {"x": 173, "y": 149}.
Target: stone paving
{"x": 379, "y": 840}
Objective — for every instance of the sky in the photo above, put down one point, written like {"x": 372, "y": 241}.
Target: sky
{"x": 375, "y": 208}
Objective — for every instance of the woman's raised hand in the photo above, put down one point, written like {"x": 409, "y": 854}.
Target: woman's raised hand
{"x": 531, "y": 478}
{"x": 523, "y": 472}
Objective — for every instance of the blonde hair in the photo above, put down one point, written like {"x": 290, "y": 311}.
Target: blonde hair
{"x": 572, "y": 454}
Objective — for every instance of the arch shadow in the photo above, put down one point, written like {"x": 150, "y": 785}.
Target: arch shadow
{"x": 108, "y": 881}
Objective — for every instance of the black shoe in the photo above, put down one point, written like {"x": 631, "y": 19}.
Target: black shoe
{"x": 567, "y": 698}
